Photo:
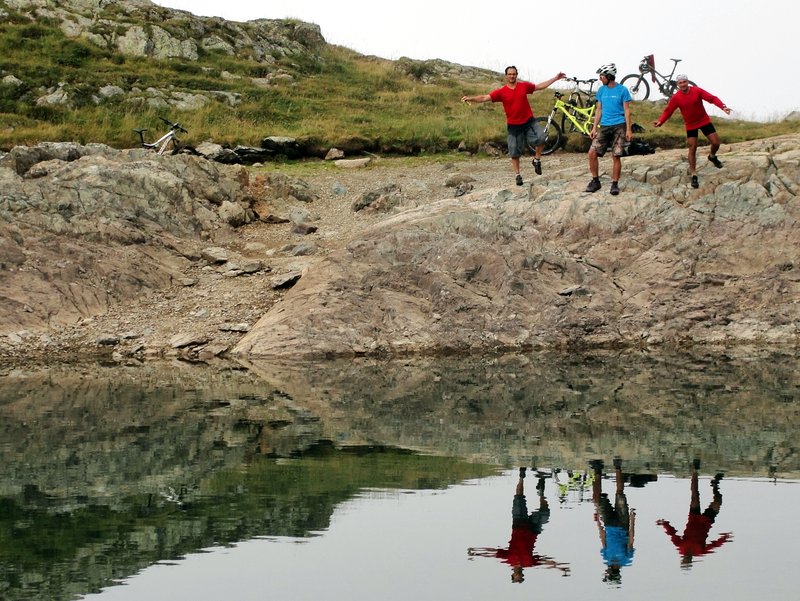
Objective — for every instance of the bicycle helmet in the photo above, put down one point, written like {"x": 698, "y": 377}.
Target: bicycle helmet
{"x": 608, "y": 69}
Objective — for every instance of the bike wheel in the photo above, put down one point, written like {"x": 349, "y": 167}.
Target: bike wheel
{"x": 672, "y": 87}
{"x": 552, "y": 135}
{"x": 637, "y": 85}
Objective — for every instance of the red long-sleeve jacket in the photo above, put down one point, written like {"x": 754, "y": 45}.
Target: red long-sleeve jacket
{"x": 691, "y": 106}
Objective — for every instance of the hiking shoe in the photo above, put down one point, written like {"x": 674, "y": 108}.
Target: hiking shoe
{"x": 715, "y": 161}
{"x": 519, "y": 179}
{"x": 593, "y": 186}
{"x": 695, "y": 183}
{"x": 614, "y": 189}
{"x": 537, "y": 166}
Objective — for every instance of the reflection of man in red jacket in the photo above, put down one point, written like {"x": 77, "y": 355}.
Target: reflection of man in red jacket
{"x": 689, "y": 99}
{"x": 693, "y": 542}
{"x": 525, "y": 528}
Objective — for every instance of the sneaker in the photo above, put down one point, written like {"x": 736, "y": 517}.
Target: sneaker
{"x": 593, "y": 186}
{"x": 715, "y": 161}
{"x": 614, "y": 189}
{"x": 519, "y": 179}
{"x": 537, "y": 166}
{"x": 695, "y": 183}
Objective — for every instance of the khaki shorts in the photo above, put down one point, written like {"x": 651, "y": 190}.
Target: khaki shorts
{"x": 613, "y": 135}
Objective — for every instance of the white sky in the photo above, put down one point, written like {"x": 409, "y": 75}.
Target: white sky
{"x": 744, "y": 51}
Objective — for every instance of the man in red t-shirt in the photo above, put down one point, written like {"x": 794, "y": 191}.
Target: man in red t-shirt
{"x": 689, "y": 99}
{"x": 522, "y": 129}
{"x": 525, "y": 529}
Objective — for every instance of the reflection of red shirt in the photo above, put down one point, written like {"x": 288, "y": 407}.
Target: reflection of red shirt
{"x": 691, "y": 106}
{"x": 520, "y": 549}
{"x": 515, "y": 102}
{"x": 693, "y": 541}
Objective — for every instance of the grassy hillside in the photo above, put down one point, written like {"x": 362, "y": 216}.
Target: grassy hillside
{"x": 334, "y": 98}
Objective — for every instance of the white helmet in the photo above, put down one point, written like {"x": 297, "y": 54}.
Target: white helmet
{"x": 608, "y": 69}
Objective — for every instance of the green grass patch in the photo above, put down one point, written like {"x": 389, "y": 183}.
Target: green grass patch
{"x": 333, "y": 96}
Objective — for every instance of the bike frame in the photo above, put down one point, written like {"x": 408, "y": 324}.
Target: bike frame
{"x": 582, "y": 120}
{"x": 666, "y": 85}
{"x": 579, "y": 96}
{"x": 571, "y": 112}
{"x": 160, "y": 145}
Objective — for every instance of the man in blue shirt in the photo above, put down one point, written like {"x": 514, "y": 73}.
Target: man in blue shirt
{"x": 613, "y": 115}
{"x": 615, "y": 522}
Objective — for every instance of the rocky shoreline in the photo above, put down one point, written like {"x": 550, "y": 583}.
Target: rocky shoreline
{"x": 187, "y": 258}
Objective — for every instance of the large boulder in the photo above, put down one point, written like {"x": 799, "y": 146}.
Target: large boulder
{"x": 82, "y": 227}
{"x": 551, "y": 266}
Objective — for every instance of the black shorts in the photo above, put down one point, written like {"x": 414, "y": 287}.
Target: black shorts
{"x": 707, "y": 129}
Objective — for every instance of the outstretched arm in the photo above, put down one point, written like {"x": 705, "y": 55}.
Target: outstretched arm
{"x": 668, "y": 528}
{"x": 548, "y": 82}
{"x": 709, "y": 97}
{"x": 479, "y": 98}
{"x": 549, "y": 562}
{"x": 483, "y": 551}
{"x": 668, "y": 110}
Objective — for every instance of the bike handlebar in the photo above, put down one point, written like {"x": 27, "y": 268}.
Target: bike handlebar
{"x": 576, "y": 80}
{"x": 172, "y": 125}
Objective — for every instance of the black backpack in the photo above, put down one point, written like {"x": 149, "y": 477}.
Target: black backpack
{"x": 638, "y": 146}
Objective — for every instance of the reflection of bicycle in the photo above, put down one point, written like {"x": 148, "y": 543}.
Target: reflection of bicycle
{"x": 169, "y": 138}
{"x": 573, "y": 117}
{"x": 637, "y": 83}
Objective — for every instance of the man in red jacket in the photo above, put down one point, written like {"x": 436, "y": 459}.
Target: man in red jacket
{"x": 689, "y": 99}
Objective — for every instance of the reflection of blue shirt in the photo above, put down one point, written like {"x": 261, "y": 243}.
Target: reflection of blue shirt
{"x": 616, "y": 551}
{"x": 613, "y": 104}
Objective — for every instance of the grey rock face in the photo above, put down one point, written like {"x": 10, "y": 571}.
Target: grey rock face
{"x": 660, "y": 264}
{"x": 82, "y": 227}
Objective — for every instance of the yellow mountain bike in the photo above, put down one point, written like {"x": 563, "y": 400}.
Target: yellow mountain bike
{"x": 574, "y": 118}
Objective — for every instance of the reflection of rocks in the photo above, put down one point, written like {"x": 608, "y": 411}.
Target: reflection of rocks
{"x": 187, "y": 421}
{"x": 654, "y": 411}
{"x": 133, "y": 450}
{"x": 127, "y": 430}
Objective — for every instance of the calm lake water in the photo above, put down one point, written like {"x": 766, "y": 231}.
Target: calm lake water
{"x": 376, "y": 480}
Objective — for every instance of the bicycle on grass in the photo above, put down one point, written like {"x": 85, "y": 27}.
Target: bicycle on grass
{"x": 637, "y": 83}
{"x": 574, "y": 117}
{"x": 580, "y": 98}
{"x": 169, "y": 138}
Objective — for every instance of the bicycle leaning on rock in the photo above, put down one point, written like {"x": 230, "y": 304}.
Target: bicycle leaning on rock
{"x": 637, "y": 82}
{"x": 168, "y": 139}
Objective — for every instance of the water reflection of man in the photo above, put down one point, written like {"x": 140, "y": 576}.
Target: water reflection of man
{"x": 525, "y": 529}
{"x": 694, "y": 543}
{"x": 615, "y": 523}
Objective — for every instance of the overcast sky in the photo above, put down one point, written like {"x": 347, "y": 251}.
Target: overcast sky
{"x": 744, "y": 51}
